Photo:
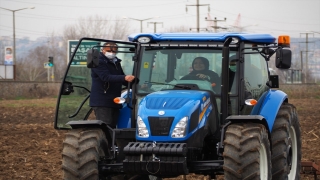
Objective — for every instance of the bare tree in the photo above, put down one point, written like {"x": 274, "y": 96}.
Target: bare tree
{"x": 97, "y": 27}
{"x": 93, "y": 27}
{"x": 120, "y": 32}
{"x": 30, "y": 68}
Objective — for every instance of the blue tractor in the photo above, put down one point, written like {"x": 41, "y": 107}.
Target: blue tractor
{"x": 174, "y": 123}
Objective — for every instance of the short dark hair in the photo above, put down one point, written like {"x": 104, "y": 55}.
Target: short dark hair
{"x": 110, "y": 44}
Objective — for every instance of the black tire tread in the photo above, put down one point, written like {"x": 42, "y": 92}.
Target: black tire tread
{"x": 82, "y": 149}
{"x": 286, "y": 117}
{"x": 241, "y": 154}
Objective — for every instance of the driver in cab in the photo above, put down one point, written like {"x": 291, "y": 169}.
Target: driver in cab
{"x": 200, "y": 71}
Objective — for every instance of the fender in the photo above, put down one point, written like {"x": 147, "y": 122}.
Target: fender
{"x": 127, "y": 133}
{"x": 271, "y": 105}
{"x": 247, "y": 118}
{"x": 85, "y": 123}
{"x": 265, "y": 111}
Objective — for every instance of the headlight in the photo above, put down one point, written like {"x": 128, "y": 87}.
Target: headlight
{"x": 179, "y": 130}
{"x": 142, "y": 128}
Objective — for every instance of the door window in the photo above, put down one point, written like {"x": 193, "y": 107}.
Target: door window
{"x": 75, "y": 105}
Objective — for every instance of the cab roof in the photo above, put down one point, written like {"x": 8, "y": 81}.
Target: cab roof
{"x": 204, "y": 37}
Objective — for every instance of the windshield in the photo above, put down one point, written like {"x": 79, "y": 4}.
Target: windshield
{"x": 163, "y": 68}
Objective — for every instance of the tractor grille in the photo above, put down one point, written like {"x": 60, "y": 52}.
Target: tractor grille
{"x": 166, "y": 103}
{"x": 160, "y": 126}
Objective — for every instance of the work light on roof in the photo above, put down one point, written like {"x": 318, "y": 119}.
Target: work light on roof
{"x": 234, "y": 40}
{"x": 284, "y": 41}
{"x": 144, "y": 39}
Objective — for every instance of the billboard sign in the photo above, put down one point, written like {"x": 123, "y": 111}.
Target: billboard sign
{"x": 80, "y": 58}
{"x": 8, "y": 55}
{"x": 6, "y": 72}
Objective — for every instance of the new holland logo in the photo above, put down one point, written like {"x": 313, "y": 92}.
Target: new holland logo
{"x": 161, "y": 113}
{"x": 205, "y": 104}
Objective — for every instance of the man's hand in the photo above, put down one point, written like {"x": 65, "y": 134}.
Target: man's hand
{"x": 129, "y": 78}
{"x": 202, "y": 76}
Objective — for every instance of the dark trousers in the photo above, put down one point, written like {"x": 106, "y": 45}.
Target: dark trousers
{"x": 110, "y": 117}
{"x": 107, "y": 115}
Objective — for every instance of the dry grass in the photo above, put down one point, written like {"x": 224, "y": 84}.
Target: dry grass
{"x": 301, "y": 91}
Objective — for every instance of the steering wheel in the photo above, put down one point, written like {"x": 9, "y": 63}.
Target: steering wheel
{"x": 194, "y": 77}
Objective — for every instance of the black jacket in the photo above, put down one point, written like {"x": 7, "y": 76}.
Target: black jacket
{"x": 107, "y": 81}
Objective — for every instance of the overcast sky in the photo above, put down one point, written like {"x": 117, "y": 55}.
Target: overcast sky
{"x": 291, "y": 17}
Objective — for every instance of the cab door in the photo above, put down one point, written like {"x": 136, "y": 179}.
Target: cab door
{"x": 73, "y": 98}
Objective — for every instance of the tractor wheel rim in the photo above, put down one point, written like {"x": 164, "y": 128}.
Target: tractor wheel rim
{"x": 293, "y": 155}
{"x": 263, "y": 163}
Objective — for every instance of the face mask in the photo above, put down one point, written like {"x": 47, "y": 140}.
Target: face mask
{"x": 233, "y": 68}
{"x": 110, "y": 55}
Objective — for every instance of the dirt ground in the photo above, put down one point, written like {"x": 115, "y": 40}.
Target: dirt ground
{"x": 30, "y": 148}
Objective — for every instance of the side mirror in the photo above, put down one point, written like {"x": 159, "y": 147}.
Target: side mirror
{"x": 67, "y": 88}
{"x": 92, "y": 58}
{"x": 283, "y": 58}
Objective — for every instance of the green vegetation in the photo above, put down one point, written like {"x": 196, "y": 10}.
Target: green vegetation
{"x": 20, "y": 98}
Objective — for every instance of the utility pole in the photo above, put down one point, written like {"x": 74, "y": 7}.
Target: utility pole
{"x": 141, "y": 20}
{"x": 14, "y": 30}
{"x": 198, "y": 16}
{"x": 155, "y": 25}
{"x": 317, "y": 68}
{"x": 48, "y": 69}
{"x": 306, "y": 51}
{"x": 215, "y": 21}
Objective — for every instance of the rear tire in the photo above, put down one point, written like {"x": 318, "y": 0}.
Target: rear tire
{"x": 286, "y": 144}
{"x": 247, "y": 152}
{"x": 81, "y": 152}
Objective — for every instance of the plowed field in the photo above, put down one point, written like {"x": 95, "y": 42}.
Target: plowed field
{"x": 30, "y": 148}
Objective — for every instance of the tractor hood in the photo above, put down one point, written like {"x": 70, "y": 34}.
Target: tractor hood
{"x": 161, "y": 111}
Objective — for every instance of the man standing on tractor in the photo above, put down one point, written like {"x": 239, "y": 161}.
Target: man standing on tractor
{"x": 107, "y": 80}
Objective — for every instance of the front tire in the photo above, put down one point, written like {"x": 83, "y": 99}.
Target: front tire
{"x": 286, "y": 144}
{"x": 81, "y": 152}
{"x": 247, "y": 152}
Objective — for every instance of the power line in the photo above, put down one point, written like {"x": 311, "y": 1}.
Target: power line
{"x": 98, "y": 7}
{"x": 64, "y": 18}
{"x": 25, "y": 33}
{"x": 261, "y": 19}
{"x": 19, "y": 29}
{"x": 33, "y": 16}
